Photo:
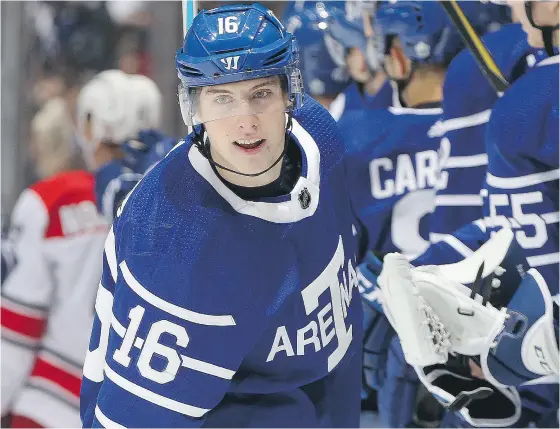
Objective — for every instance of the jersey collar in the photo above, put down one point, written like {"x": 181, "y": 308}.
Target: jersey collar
{"x": 299, "y": 204}
{"x": 551, "y": 60}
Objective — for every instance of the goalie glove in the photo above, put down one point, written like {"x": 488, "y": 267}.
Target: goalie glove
{"x": 414, "y": 299}
{"x": 435, "y": 313}
{"x": 524, "y": 352}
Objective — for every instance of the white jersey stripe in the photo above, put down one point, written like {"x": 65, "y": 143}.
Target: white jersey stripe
{"x": 153, "y": 397}
{"x": 110, "y": 254}
{"x": 442, "y": 127}
{"x": 458, "y": 200}
{"x": 553, "y": 217}
{"x": 106, "y": 421}
{"x": 453, "y": 242}
{"x": 547, "y": 259}
{"x": 413, "y": 111}
{"x": 478, "y": 160}
{"x": 336, "y": 109}
{"x": 175, "y": 310}
{"x": 207, "y": 368}
{"x": 522, "y": 181}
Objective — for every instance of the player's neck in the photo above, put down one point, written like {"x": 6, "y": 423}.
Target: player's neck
{"x": 249, "y": 181}
{"x": 427, "y": 88}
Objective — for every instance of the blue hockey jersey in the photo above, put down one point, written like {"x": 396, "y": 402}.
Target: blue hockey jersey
{"x": 392, "y": 173}
{"x": 113, "y": 182}
{"x": 220, "y": 312}
{"x": 116, "y": 178}
{"x": 521, "y": 189}
{"x": 353, "y": 99}
{"x": 467, "y": 101}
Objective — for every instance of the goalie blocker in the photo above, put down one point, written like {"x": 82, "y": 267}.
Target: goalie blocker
{"x": 451, "y": 313}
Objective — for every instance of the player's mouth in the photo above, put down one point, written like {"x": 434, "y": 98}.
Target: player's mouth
{"x": 249, "y": 144}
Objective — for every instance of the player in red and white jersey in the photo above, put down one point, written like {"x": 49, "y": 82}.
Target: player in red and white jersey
{"x": 48, "y": 297}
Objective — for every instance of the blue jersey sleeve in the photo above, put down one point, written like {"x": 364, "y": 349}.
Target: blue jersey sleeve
{"x": 521, "y": 189}
{"x": 468, "y": 98}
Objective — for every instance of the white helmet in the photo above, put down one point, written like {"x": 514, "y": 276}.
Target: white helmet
{"x": 106, "y": 102}
{"x": 148, "y": 102}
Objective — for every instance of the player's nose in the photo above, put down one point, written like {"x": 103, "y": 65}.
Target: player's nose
{"x": 248, "y": 123}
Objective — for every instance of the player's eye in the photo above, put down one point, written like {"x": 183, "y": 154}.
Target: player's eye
{"x": 223, "y": 99}
{"x": 262, "y": 93}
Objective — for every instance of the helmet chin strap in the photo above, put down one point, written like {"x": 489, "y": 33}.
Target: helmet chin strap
{"x": 547, "y": 30}
{"x": 402, "y": 84}
{"x": 204, "y": 148}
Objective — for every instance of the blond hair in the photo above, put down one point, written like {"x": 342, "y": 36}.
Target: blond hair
{"x": 51, "y": 138}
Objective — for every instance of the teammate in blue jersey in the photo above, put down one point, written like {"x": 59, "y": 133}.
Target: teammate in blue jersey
{"x": 392, "y": 174}
{"x": 105, "y": 119}
{"x": 393, "y": 168}
{"x": 229, "y": 296}
{"x": 467, "y": 101}
{"x": 323, "y": 79}
{"x": 349, "y": 41}
{"x": 119, "y": 116}
{"x": 521, "y": 186}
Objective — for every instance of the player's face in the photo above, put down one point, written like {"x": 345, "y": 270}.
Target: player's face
{"x": 544, "y": 13}
{"x": 247, "y": 127}
{"x": 357, "y": 66}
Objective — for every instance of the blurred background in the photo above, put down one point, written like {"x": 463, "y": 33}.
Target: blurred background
{"x": 50, "y": 49}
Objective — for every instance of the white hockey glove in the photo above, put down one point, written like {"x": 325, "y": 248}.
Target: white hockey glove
{"x": 437, "y": 310}
{"x": 440, "y": 320}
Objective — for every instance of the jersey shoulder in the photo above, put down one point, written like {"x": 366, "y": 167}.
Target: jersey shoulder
{"x": 323, "y": 129}
{"x": 386, "y": 130}
{"x": 525, "y": 119}
{"x": 71, "y": 186}
{"x": 69, "y": 201}
{"x": 466, "y": 90}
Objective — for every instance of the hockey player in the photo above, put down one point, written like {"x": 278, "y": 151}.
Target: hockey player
{"x": 522, "y": 180}
{"x": 57, "y": 239}
{"x": 323, "y": 79}
{"x": 149, "y": 145}
{"x": 521, "y": 186}
{"x": 393, "y": 168}
{"x": 349, "y": 42}
{"x": 467, "y": 101}
{"x": 129, "y": 106}
{"x": 228, "y": 295}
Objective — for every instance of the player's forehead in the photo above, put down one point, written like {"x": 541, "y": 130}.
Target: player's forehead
{"x": 243, "y": 86}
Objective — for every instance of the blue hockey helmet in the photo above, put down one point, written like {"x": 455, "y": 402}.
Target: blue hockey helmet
{"x": 348, "y": 31}
{"x": 309, "y": 23}
{"x": 425, "y": 31}
{"x": 234, "y": 43}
